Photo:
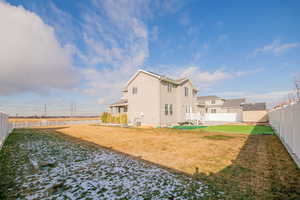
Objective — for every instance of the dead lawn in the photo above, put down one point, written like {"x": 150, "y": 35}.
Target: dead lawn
{"x": 256, "y": 166}
{"x": 176, "y": 149}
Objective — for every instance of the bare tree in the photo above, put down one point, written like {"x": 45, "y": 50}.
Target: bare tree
{"x": 297, "y": 86}
{"x": 291, "y": 97}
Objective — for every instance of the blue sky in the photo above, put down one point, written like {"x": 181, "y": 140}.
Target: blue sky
{"x": 61, "y": 53}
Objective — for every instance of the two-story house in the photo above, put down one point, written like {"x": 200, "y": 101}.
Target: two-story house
{"x": 156, "y": 100}
{"x": 214, "y": 104}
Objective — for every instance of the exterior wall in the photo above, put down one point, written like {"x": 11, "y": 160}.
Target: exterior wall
{"x": 115, "y": 110}
{"x": 218, "y": 109}
{"x": 167, "y": 97}
{"x": 199, "y": 109}
{"x": 255, "y": 116}
{"x": 233, "y": 110}
{"x": 218, "y": 102}
{"x": 184, "y": 101}
{"x": 144, "y": 106}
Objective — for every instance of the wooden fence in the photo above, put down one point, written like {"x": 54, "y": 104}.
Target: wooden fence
{"x": 286, "y": 123}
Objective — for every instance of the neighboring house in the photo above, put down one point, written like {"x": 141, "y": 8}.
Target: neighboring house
{"x": 156, "y": 100}
{"x": 209, "y": 104}
{"x": 214, "y": 104}
{"x": 255, "y": 113}
{"x": 254, "y": 106}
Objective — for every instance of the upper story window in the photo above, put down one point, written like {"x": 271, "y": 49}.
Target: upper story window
{"x": 134, "y": 90}
{"x": 186, "y": 91}
{"x": 213, "y": 102}
{"x": 170, "y": 87}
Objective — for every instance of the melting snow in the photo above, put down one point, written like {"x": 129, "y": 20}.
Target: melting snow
{"x": 78, "y": 171}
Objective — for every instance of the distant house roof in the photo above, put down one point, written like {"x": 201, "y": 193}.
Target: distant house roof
{"x": 121, "y": 102}
{"x": 207, "y": 98}
{"x": 202, "y": 99}
{"x": 159, "y": 76}
{"x": 254, "y": 106}
{"x": 233, "y": 103}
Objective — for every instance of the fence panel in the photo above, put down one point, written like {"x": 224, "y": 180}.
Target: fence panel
{"x": 5, "y": 128}
{"x": 52, "y": 123}
{"x": 286, "y": 123}
{"x": 215, "y": 117}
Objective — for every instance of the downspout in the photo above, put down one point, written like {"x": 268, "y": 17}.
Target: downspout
{"x": 159, "y": 102}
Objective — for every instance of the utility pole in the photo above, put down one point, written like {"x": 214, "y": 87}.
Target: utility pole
{"x": 45, "y": 110}
{"x": 297, "y": 87}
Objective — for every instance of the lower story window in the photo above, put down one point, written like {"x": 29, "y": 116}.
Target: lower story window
{"x": 166, "y": 109}
{"x": 171, "y": 109}
{"x": 213, "y": 110}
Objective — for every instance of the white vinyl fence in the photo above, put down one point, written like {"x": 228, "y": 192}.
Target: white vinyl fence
{"x": 51, "y": 123}
{"x": 5, "y": 128}
{"x": 286, "y": 123}
{"x": 214, "y": 117}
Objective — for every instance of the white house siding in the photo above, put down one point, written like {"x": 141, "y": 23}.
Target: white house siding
{"x": 184, "y": 101}
{"x": 145, "y": 102}
{"x": 218, "y": 102}
{"x": 167, "y": 97}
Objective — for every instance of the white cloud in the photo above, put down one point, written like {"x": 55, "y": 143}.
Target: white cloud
{"x": 248, "y": 72}
{"x": 31, "y": 58}
{"x": 206, "y": 78}
{"x": 116, "y": 40}
{"x": 276, "y": 47}
{"x": 203, "y": 78}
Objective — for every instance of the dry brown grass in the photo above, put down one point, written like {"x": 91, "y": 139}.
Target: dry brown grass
{"x": 256, "y": 166}
{"x": 180, "y": 150}
{"x": 21, "y": 120}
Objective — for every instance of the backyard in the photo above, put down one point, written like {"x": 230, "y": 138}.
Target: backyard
{"x": 87, "y": 161}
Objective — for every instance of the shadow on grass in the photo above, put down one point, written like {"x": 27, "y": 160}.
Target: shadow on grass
{"x": 262, "y": 170}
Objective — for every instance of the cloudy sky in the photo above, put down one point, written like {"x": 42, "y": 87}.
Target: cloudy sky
{"x": 77, "y": 55}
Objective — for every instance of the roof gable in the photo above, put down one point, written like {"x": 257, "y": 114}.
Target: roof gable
{"x": 160, "y": 77}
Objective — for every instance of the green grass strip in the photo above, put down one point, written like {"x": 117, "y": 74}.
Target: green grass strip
{"x": 245, "y": 129}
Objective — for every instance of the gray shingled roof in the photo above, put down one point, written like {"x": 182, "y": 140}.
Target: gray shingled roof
{"x": 120, "y": 102}
{"x": 254, "y": 106}
{"x": 233, "y": 103}
{"x": 202, "y": 99}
